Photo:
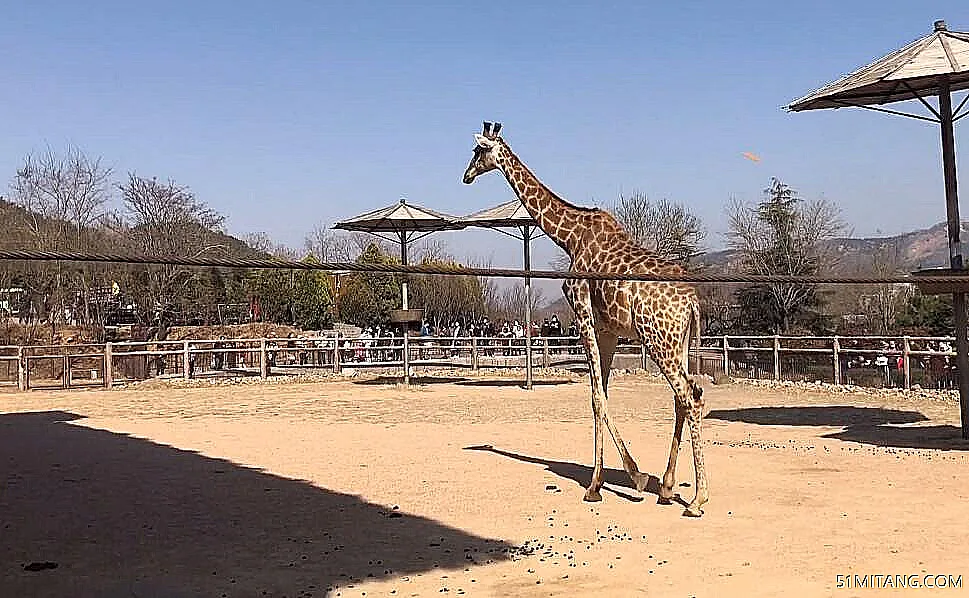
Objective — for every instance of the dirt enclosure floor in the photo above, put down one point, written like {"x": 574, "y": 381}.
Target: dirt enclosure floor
{"x": 472, "y": 487}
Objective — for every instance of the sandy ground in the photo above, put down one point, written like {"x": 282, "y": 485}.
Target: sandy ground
{"x": 469, "y": 487}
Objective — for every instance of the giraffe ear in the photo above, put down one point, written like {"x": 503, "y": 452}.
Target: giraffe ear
{"x": 483, "y": 141}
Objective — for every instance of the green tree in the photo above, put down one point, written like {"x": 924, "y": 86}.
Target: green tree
{"x": 312, "y": 302}
{"x": 301, "y": 298}
{"x": 273, "y": 289}
{"x": 367, "y": 297}
{"x": 927, "y": 314}
{"x": 782, "y": 235}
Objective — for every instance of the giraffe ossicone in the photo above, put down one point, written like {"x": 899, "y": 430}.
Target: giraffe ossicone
{"x": 663, "y": 316}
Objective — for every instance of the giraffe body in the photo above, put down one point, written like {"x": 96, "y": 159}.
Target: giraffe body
{"x": 663, "y": 316}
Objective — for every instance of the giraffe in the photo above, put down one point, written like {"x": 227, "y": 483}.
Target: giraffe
{"x": 663, "y": 316}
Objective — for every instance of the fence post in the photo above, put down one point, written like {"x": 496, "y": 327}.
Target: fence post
{"x": 21, "y": 369}
{"x": 906, "y": 366}
{"x": 336, "y": 354}
{"x": 726, "y": 357}
{"x": 186, "y": 360}
{"x": 108, "y": 366}
{"x": 836, "y": 351}
{"x": 66, "y": 375}
{"x": 474, "y": 353}
{"x": 546, "y": 359}
{"x": 642, "y": 356}
{"x": 263, "y": 359}
{"x": 777, "y": 357}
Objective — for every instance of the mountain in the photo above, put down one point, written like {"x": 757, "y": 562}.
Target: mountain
{"x": 924, "y": 248}
{"x": 14, "y": 219}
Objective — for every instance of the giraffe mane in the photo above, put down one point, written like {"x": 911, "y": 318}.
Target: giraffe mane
{"x": 555, "y": 195}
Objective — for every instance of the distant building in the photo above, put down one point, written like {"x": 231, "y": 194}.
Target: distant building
{"x": 13, "y": 302}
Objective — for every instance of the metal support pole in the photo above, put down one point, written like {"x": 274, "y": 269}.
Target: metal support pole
{"x": 906, "y": 366}
{"x": 836, "y": 351}
{"x": 726, "y": 357}
{"x": 955, "y": 246}
{"x": 337, "y": 368}
{"x": 66, "y": 374}
{"x": 21, "y": 368}
{"x": 403, "y": 298}
{"x": 263, "y": 359}
{"x": 777, "y": 357}
{"x": 527, "y": 235}
{"x": 108, "y": 366}
{"x": 186, "y": 360}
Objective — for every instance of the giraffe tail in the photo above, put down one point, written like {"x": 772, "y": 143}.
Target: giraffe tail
{"x": 692, "y": 334}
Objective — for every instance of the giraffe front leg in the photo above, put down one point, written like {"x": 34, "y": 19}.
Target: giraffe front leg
{"x": 695, "y": 416}
{"x": 592, "y": 493}
{"x": 601, "y": 348}
{"x": 577, "y": 293}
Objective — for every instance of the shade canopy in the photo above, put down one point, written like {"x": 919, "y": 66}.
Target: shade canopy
{"x": 399, "y": 218}
{"x": 935, "y": 65}
{"x": 511, "y": 214}
{"x": 912, "y": 72}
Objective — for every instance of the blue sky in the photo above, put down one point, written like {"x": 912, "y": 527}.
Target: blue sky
{"x": 282, "y": 115}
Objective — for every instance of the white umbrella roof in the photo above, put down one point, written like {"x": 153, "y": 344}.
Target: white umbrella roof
{"x": 905, "y": 74}
{"x": 401, "y": 217}
{"x": 511, "y": 214}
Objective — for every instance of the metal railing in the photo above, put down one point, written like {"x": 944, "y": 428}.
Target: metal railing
{"x": 871, "y": 361}
{"x": 860, "y": 360}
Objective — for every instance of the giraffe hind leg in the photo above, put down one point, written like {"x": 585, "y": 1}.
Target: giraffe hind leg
{"x": 669, "y": 478}
{"x": 695, "y": 417}
{"x": 689, "y": 409}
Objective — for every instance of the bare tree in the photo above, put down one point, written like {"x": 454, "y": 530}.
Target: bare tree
{"x": 167, "y": 219}
{"x": 667, "y": 229}
{"x": 885, "y": 301}
{"x": 664, "y": 228}
{"x": 510, "y": 303}
{"x": 64, "y": 200}
{"x": 446, "y": 299}
{"x": 262, "y": 242}
{"x": 328, "y": 245}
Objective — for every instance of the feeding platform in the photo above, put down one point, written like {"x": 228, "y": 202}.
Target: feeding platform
{"x": 934, "y": 287}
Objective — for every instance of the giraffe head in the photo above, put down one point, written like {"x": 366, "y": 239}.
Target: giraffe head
{"x": 485, "y": 158}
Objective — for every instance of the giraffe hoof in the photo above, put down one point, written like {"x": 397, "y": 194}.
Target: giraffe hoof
{"x": 692, "y": 511}
{"x": 665, "y": 495}
{"x": 641, "y": 480}
{"x": 592, "y": 496}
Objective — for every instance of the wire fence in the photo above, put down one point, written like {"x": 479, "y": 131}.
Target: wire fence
{"x": 942, "y": 278}
{"x": 869, "y": 361}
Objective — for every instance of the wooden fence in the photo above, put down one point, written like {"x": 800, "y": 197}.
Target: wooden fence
{"x": 864, "y": 361}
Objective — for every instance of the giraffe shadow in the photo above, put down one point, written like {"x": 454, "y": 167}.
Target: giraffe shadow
{"x": 582, "y": 474}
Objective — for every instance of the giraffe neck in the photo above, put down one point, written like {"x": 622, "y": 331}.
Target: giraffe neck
{"x": 557, "y": 218}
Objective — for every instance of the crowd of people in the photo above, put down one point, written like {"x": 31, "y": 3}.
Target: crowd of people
{"x": 505, "y": 337}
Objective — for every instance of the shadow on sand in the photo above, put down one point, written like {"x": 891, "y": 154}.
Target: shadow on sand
{"x": 109, "y": 515}
{"x": 582, "y": 474}
{"x": 867, "y": 425}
